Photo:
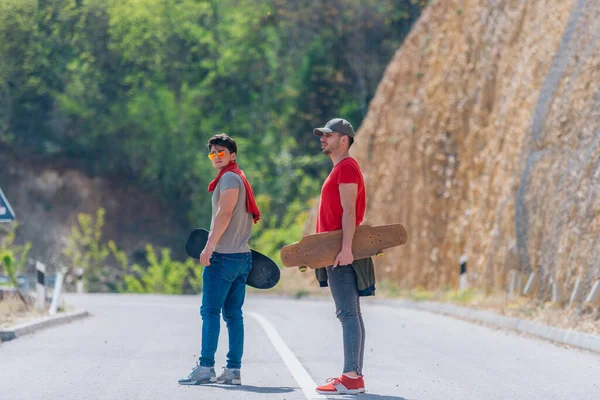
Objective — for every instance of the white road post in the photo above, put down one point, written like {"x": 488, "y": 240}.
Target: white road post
{"x": 531, "y": 284}
{"x": 577, "y": 294}
{"x": 463, "y": 283}
{"x": 58, "y": 283}
{"x": 79, "y": 284}
{"x": 594, "y": 296}
{"x": 40, "y": 287}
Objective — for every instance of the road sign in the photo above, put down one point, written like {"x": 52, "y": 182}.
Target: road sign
{"x": 6, "y": 212}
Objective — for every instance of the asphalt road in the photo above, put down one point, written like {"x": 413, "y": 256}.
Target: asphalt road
{"x": 136, "y": 347}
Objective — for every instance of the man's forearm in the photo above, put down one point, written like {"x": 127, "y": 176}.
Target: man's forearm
{"x": 348, "y": 229}
{"x": 221, "y": 223}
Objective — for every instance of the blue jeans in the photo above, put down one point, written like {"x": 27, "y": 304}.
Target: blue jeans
{"x": 224, "y": 288}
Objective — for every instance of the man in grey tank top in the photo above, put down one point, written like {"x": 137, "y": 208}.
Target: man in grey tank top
{"x": 228, "y": 261}
{"x": 238, "y": 232}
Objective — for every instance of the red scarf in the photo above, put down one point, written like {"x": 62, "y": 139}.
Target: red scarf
{"x": 250, "y": 200}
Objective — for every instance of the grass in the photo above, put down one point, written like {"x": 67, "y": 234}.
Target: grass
{"x": 14, "y": 311}
{"x": 389, "y": 289}
{"x": 585, "y": 320}
{"x": 460, "y": 296}
{"x": 420, "y": 294}
{"x": 303, "y": 285}
{"x": 301, "y": 293}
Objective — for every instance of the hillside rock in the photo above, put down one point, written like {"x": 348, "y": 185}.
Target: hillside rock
{"x": 483, "y": 139}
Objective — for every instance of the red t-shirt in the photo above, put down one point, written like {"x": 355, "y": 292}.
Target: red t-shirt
{"x": 330, "y": 205}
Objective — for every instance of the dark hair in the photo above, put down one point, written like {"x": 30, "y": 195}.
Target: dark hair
{"x": 350, "y": 141}
{"x": 222, "y": 140}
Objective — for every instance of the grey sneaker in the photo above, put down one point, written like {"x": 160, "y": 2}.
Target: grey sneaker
{"x": 230, "y": 376}
{"x": 200, "y": 375}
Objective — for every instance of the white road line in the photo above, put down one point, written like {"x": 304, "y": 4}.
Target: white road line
{"x": 289, "y": 358}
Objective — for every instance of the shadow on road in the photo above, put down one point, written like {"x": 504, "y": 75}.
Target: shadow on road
{"x": 368, "y": 396}
{"x": 276, "y": 390}
{"x": 257, "y": 389}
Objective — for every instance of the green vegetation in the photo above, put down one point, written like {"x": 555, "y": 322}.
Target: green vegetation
{"x": 392, "y": 289}
{"x": 164, "y": 275}
{"x": 134, "y": 88}
{"x": 12, "y": 257}
{"x": 85, "y": 249}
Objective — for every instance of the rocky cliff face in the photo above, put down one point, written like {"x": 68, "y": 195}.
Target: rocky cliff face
{"x": 483, "y": 139}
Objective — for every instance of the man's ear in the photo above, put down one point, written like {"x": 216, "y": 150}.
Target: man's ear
{"x": 234, "y": 156}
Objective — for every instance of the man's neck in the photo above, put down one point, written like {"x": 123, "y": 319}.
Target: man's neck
{"x": 226, "y": 166}
{"x": 336, "y": 158}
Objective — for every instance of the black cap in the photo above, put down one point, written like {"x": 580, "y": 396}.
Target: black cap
{"x": 338, "y": 125}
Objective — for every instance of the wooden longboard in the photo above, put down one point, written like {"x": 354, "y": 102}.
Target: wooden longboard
{"x": 320, "y": 249}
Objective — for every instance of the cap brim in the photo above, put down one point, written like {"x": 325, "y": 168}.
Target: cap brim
{"x": 321, "y": 131}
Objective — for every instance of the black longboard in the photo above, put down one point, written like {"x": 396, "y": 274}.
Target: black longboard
{"x": 264, "y": 273}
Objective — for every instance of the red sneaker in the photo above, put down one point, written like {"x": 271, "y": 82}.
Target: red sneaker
{"x": 343, "y": 385}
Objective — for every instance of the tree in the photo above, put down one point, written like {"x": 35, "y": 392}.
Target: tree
{"x": 86, "y": 250}
{"x": 12, "y": 257}
{"x": 164, "y": 275}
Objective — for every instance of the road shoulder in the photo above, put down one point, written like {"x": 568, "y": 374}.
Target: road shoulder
{"x": 16, "y": 331}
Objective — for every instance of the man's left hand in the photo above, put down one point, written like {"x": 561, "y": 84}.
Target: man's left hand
{"x": 344, "y": 258}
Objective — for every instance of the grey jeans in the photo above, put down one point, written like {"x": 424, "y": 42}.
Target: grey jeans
{"x": 342, "y": 283}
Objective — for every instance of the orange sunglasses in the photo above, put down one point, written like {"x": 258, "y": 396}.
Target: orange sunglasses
{"x": 212, "y": 155}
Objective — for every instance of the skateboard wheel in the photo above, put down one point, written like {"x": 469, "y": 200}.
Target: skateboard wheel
{"x": 302, "y": 269}
{"x": 379, "y": 253}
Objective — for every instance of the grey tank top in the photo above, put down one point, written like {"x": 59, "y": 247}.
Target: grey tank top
{"x": 238, "y": 232}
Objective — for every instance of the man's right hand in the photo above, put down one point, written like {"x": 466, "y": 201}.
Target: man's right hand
{"x": 345, "y": 257}
{"x": 206, "y": 254}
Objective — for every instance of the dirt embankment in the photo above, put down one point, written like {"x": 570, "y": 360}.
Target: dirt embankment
{"x": 483, "y": 139}
{"x": 47, "y": 195}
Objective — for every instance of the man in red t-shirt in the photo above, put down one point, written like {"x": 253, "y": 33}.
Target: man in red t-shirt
{"x": 342, "y": 206}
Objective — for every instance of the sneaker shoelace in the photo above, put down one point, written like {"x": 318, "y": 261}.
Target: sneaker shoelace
{"x": 193, "y": 369}
{"x": 335, "y": 382}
